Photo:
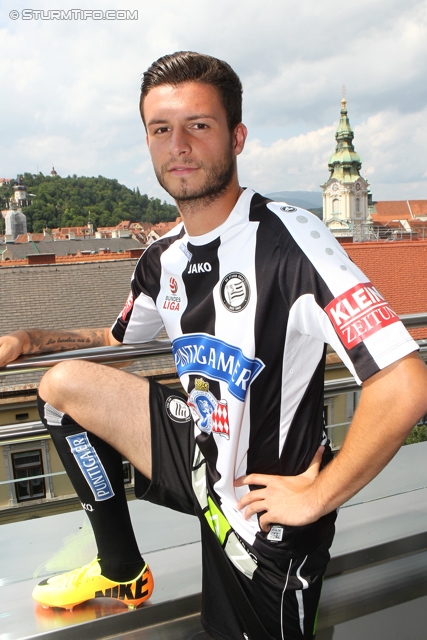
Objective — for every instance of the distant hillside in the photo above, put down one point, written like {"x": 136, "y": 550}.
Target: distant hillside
{"x": 305, "y": 199}
{"x": 70, "y": 201}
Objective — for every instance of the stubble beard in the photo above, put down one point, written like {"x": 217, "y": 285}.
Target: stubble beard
{"x": 217, "y": 180}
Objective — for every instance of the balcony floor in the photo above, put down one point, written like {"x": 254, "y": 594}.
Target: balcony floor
{"x": 377, "y": 587}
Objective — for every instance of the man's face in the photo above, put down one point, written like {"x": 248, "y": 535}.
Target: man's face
{"x": 191, "y": 146}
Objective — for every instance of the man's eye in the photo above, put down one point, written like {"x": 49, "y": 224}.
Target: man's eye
{"x": 161, "y": 130}
{"x": 200, "y": 125}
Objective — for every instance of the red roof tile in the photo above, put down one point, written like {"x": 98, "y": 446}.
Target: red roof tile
{"x": 28, "y": 237}
{"x": 163, "y": 227}
{"x": 400, "y": 209}
{"x": 393, "y": 210}
{"x": 398, "y": 270}
{"x": 390, "y": 224}
{"x": 418, "y": 207}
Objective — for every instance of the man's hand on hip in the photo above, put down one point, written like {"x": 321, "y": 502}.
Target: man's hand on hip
{"x": 282, "y": 499}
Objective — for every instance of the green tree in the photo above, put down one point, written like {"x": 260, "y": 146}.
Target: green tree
{"x": 418, "y": 434}
{"x": 70, "y": 201}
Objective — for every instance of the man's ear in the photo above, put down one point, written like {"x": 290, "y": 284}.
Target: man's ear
{"x": 239, "y": 137}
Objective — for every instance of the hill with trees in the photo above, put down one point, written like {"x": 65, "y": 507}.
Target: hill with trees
{"x": 70, "y": 201}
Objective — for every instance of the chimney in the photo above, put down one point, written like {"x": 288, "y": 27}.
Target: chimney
{"x": 41, "y": 258}
{"x": 136, "y": 252}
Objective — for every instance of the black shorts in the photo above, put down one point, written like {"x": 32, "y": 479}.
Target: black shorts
{"x": 264, "y": 591}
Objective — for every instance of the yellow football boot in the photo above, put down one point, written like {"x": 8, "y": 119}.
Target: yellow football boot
{"x": 74, "y": 587}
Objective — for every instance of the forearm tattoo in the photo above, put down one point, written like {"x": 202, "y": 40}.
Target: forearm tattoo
{"x": 42, "y": 341}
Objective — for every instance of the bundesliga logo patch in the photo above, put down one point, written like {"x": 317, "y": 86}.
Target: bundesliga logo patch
{"x": 127, "y": 308}
{"x": 359, "y": 313}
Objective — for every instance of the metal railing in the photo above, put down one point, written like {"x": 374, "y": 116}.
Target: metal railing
{"x": 129, "y": 353}
{"x": 102, "y": 355}
{"x": 27, "y": 431}
{"x": 367, "y": 232}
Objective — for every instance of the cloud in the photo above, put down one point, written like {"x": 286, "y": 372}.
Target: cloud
{"x": 299, "y": 163}
{"x": 70, "y": 88}
{"x": 392, "y": 146}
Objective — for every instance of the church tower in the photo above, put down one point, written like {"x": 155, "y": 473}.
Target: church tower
{"x": 16, "y": 221}
{"x": 19, "y": 193}
{"x": 345, "y": 194}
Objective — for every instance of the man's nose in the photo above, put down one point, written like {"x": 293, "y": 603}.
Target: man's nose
{"x": 179, "y": 142}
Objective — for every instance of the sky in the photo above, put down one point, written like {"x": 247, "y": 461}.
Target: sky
{"x": 70, "y": 87}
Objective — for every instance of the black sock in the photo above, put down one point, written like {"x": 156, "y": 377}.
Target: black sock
{"x": 96, "y": 472}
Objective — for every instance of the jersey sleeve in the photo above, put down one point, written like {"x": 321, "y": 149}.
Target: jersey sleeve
{"x": 341, "y": 306}
{"x": 139, "y": 320}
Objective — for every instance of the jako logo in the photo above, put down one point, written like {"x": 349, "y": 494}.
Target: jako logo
{"x": 173, "y": 285}
{"x": 288, "y": 209}
{"x": 199, "y": 267}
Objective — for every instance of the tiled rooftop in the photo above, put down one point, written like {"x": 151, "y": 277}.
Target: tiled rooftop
{"x": 400, "y": 209}
{"x": 32, "y": 237}
{"x": 91, "y": 294}
{"x": 398, "y": 271}
{"x": 163, "y": 227}
{"x": 18, "y": 251}
{"x": 66, "y": 296}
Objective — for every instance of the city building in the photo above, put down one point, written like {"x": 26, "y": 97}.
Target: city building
{"x": 345, "y": 193}
{"x": 349, "y": 210}
{"x": 400, "y": 219}
{"x": 29, "y": 246}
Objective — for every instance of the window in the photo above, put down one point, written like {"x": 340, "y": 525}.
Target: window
{"x": 127, "y": 471}
{"x": 19, "y": 417}
{"x": 26, "y": 465}
{"x": 326, "y": 409}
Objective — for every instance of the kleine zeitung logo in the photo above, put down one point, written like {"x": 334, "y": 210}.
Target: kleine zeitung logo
{"x": 359, "y": 313}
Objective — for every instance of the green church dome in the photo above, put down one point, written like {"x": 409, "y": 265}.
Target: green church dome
{"x": 344, "y": 164}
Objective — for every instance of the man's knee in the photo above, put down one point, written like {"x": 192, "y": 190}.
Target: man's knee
{"x": 61, "y": 382}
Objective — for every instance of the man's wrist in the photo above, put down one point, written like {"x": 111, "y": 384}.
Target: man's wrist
{"x": 24, "y": 339}
{"x": 318, "y": 506}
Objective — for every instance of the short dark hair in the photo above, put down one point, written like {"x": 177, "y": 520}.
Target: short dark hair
{"x": 189, "y": 66}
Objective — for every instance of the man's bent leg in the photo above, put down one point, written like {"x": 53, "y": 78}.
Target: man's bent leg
{"x": 95, "y": 469}
{"x": 96, "y": 472}
{"x": 110, "y": 403}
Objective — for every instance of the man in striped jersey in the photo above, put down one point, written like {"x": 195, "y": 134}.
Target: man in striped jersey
{"x": 250, "y": 292}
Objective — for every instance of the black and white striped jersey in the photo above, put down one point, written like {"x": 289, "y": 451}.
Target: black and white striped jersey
{"x": 249, "y": 308}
